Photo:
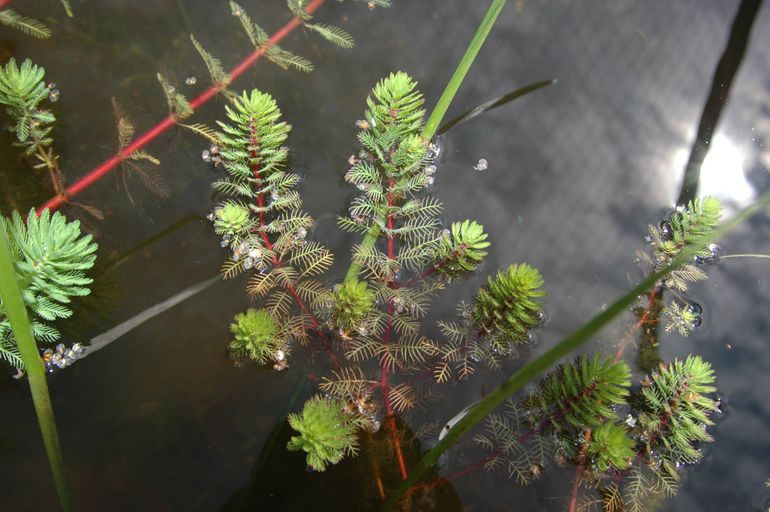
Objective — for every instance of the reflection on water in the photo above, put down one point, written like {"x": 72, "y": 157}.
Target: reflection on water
{"x": 161, "y": 420}
{"x": 723, "y": 173}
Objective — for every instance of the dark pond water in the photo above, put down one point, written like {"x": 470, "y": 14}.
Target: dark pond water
{"x": 161, "y": 420}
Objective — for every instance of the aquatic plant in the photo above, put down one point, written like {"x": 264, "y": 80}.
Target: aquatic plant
{"x": 14, "y": 317}
{"x": 502, "y": 316}
{"x": 685, "y": 227}
{"x": 257, "y": 335}
{"x": 572, "y": 417}
{"x": 326, "y": 433}
{"x": 25, "y": 24}
{"x": 642, "y": 489}
{"x": 261, "y": 222}
{"x": 22, "y": 91}
{"x": 51, "y": 258}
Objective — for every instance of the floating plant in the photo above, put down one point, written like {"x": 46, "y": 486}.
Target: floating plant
{"x": 51, "y": 258}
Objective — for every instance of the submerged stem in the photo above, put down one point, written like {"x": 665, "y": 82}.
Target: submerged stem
{"x": 22, "y": 331}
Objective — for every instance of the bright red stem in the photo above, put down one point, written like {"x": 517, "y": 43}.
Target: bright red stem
{"x": 386, "y": 339}
{"x": 100, "y": 171}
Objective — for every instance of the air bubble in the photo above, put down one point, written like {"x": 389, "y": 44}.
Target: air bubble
{"x": 482, "y": 165}
{"x": 694, "y": 307}
{"x": 715, "y": 254}
{"x": 190, "y": 80}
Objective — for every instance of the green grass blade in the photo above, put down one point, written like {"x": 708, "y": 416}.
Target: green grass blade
{"x": 462, "y": 69}
{"x": 22, "y": 331}
{"x": 547, "y": 360}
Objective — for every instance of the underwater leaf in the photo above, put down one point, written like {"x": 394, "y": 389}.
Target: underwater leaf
{"x": 177, "y": 103}
{"x": 203, "y": 131}
{"x": 218, "y": 75}
{"x": 286, "y": 59}
{"x": 256, "y": 35}
{"x": 498, "y": 102}
{"x": 29, "y": 26}
{"x": 333, "y": 34}
{"x": 326, "y": 434}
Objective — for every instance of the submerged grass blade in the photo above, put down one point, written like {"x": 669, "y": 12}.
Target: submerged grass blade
{"x": 441, "y": 107}
{"x": 499, "y": 102}
{"x": 546, "y": 361}
{"x": 22, "y": 331}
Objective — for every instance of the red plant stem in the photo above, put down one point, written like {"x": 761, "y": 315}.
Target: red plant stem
{"x": 579, "y": 473}
{"x": 3, "y": 3}
{"x": 99, "y": 172}
{"x": 386, "y": 339}
{"x": 277, "y": 262}
{"x": 642, "y": 320}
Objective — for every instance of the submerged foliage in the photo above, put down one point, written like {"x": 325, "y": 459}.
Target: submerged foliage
{"x": 510, "y": 305}
{"x": 260, "y": 218}
{"x": 22, "y": 90}
{"x": 257, "y": 335}
{"x": 51, "y": 260}
{"x": 572, "y": 416}
{"x": 29, "y": 26}
{"x": 689, "y": 226}
{"x": 326, "y": 433}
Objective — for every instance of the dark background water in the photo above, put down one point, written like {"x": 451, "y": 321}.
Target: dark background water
{"x": 160, "y": 419}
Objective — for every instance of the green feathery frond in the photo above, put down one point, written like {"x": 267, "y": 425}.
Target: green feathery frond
{"x": 513, "y": 446}
{"x": 219, "y": 76}
{"x": 257, "y": 335}
{"x": 334, "y": 35}
{"x": 286, "y": 59}
{"x": 610, "y": 447}
{"x": 51, "y": 261}
{"x": 352, "y": 303}
{"x": 297, "y": 8}
{"x": 509, "y": 306}
{"x": 255, "y": 33}
{"x": 682, "y": 317}
{"x": 177, "y": 103}
{"x": 22, "y": 90}
{"x": 683, "y": 228}
{"x": 29, "y": 26}
{"x": 67, "y": 8}
{"x": 259, "y": 217}
{"x": 676, "y": 412}
{"x": 130, "y": 167}
{"x": 326, "y": 433}
{"x": 461, "y": 249}
{"x": 580, "y": 395}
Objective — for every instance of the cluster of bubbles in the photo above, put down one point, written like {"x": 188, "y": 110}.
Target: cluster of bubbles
{"x": 482, "y": 165}
{"x": 429, "y": 170}
{"x": 715, "y": 252}
{"x": 252, "y": 255}
{"x": 694, "y": 311}
{"x": 211, "y": 155}
{"x": 281, "y": 363}
{"x": 363, "y": 405}
{"x": 53, "y": 92}
{"x": 191, "y": 80}
{"x": 62, "y": 356}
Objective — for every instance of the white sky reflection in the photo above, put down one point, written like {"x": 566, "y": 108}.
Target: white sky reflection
{"x": 723, "y": 174}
